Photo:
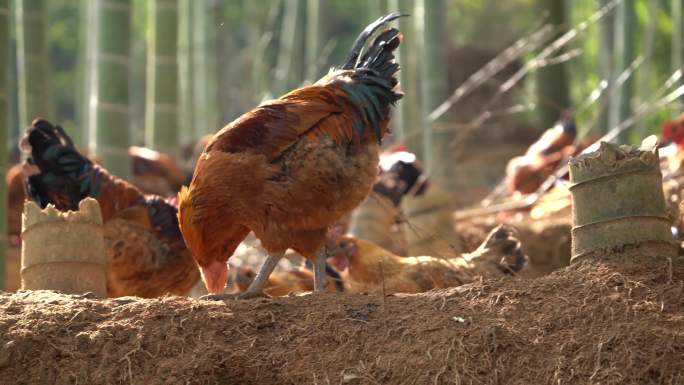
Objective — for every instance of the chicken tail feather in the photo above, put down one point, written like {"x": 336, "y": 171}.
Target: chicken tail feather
{"x": 374, "y": 85}
{"x": 64, "y": 176}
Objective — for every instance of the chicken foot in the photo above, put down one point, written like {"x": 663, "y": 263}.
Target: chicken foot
{"x": 255, "y": 289}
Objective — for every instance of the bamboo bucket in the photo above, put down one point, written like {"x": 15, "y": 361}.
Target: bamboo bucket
{"x": 63, "y": 251}
{"x": 617, "y": 200}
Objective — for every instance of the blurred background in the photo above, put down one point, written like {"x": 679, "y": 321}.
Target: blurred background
{"x": 482, "y": 79}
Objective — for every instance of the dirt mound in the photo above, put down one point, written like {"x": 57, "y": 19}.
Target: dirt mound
{"x": 618, "y": 321}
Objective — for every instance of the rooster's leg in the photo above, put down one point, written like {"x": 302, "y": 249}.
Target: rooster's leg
{"x": 255, "y": 289}
{"x": 319, "y": 269}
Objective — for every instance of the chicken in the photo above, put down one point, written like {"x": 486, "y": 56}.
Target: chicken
{"x": 155, "y": 172}
{"x": 282, "y": 283}
{"x": 368, "y": 268}
{"x": 401, "y": 174}
{"x": 525, "y": 174}
{"x": 291, "y": 167}
{"x": 146, "y": 256}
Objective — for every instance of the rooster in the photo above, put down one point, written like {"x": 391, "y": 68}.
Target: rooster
{"x": 146, "y": 256}
{"x": 292, "y": 167}
{"x": 525, "y": 174}
{"x": 367, "y": 268}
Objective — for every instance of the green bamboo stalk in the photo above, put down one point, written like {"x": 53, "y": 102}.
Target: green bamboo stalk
{"x": 79, "y": 134}
{"x": 606, "y": 57}
{"x": 677, "y": 35}
{"x": 433, "y": 86}
{"x": 553, "y": 89}
{"x": 205, "y": 71}
{"x": 4, "y": 120}
{"x": 645, "y": 74}
{"x": 410, "y": 80}
{"x": 313, "y": 41}
{"x": 397, "y": 122}
{"x": 186, "y": 73}
{"x": 199, "y": 65}
{"x": 108, "y": 90}
{"x": 13, "y": 97}
{"x": 624, "y": 32}
{"x": 161, "y": 102}
{"x": 286, "y": 47}
{"x": 32, "y": 60}
{"x": 224, "y": 66}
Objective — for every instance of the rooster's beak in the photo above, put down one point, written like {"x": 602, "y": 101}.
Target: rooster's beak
{"x": 215, "y": 276}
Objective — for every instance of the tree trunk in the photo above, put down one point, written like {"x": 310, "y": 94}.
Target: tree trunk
{"x": 32, "y": 61}
{"x": 624, "y": 32}
{"x": 108, "y": 88}
{"x": 4, "y": 120}
{"x": 161, "y": 102}
{"x": 553, "y": 88}
{"x": 606, "y": 55}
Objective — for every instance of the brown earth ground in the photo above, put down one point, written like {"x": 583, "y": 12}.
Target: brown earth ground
{"x": 616, "y": 321}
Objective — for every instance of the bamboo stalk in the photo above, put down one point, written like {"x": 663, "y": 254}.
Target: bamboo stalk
{"x": 161, "y": 111}
{"x": 4, "y": 120}
{"x": 286, "y": 47}
{"x": 677, "y": 35}
{"x": 313, "y": 34}
{"x": 606, "y": 44}
{"x": 645, "y": 75}
{"x": 624, "y": 31}
{"x": 205, "y": 72}
{"x": 433, "y": 87}
{"x": 79, "y": 134}
{"x": 32, "y": 60}
{"x": 397, "y": 121}
{"x": 410, "y": 77}
{"x": 108, "y": 90}
{"x": 553, "y": 95}
{"x": 185, "y": 72}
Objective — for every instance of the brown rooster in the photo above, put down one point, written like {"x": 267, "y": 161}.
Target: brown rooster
{"x": 146, "y": 256}
{"x": 293, "y": 166}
